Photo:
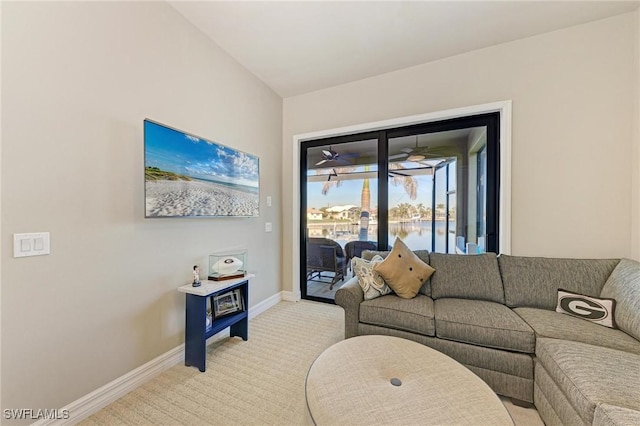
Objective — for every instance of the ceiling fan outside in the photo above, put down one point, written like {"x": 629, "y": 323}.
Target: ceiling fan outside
{"x": 333, "y": 157}
{"x": 419, "y": 153}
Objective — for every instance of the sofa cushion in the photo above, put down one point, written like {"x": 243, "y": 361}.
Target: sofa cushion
{"x": 558, "y": 326}
{"x": 483, "y": 323}
{"x": 466, "y": 277}
{"x": 422, "y": 255}
{"x": 403, "y": 271}
{"x": 597, "y": 310}
{"x": 602, "y": 375}
{"x": 414, "y": 315}
{"x": 534, "y": 281}
{"x": 624, "y": 286}
{"x": 610, "y": 415}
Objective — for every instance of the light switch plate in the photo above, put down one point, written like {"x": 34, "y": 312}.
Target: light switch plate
{"x": 25, "y": 245}
{"x": 31, "y": 244}
{"x": 268, "y": 227}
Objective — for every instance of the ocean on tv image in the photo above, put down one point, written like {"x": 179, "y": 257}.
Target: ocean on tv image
{"x": 188, "y": 176}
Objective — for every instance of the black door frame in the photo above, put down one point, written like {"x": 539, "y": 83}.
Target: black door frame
{"x": 490, "y": 120}
{"x": 335, "y": 140}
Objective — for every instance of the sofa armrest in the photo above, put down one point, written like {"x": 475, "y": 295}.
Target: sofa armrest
{"x": 349, "y": 297}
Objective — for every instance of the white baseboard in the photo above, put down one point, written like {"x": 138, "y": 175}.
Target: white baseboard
{"x": 267, "y": 303}
{"x": 101, "y": 397}
{"x": 95, "y": 401}
{"x": 291, "y": 296}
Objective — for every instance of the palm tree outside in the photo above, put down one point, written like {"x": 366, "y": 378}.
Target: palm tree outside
{"x": 409, "y": 183}
{"x": 365, "y": 208}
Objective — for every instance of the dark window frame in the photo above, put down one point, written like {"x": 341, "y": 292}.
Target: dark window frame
{"x": 492, "y": 123}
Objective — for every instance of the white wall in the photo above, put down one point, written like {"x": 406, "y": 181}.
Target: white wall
{"x": 78, "y": 78}
{"x": 572, "y": 138}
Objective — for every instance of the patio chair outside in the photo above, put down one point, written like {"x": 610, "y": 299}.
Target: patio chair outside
{"x": 355, "y": 249}
{"x": 325, "y": 255}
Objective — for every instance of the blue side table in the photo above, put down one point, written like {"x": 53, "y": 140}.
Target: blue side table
{"x": 196, "y": 330}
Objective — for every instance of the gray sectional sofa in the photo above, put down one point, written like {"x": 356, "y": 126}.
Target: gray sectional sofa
{"x": 496, "y": 315}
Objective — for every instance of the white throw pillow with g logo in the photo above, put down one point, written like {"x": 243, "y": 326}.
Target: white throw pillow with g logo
{"x": 589, "y": 308}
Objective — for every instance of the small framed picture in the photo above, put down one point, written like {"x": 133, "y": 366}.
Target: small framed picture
{"x": 228, "y": 303}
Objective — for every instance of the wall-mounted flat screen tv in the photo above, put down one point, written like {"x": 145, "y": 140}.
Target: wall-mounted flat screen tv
{"x": 189, "y": 176}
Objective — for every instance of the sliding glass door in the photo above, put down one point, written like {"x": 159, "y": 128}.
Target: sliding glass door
{"x": 434, "y": 185}
{"x": 341, "y": 207}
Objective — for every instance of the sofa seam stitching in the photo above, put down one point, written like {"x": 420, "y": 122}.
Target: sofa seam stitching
{"x": 486, "y": 327}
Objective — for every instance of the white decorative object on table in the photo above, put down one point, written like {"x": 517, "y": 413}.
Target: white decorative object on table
{"x": 227, "y": 265}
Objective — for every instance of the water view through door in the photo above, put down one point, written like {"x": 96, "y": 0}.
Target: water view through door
{"x": 433, "y": 186}
{"x": 342, "y": 209}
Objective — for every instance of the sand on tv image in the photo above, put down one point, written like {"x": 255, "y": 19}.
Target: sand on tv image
{"x": 189, "y": 176}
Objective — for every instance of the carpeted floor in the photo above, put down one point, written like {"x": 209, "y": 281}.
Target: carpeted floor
{"x": 257, "y": 382}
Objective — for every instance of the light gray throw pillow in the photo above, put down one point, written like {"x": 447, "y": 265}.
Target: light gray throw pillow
{"x": 371, "y": 282}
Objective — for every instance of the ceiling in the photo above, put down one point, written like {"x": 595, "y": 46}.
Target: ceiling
{"x": 297, "y": 47}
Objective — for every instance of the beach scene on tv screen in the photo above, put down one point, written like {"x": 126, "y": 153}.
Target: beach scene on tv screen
{"x": 190, "y": 176}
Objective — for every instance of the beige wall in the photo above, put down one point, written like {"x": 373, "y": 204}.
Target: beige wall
{"x": 78, "y": 78}
{"x": 1, "y": 251}
{"x": 635, "y": 196}
{"x": 572, "y": 138}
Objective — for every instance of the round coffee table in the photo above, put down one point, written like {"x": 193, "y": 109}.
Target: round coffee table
{"x": 373, "y": 380}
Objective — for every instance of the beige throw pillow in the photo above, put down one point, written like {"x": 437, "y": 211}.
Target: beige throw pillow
{"x": 371, "y": 282}
{"x": 403, "y": 271}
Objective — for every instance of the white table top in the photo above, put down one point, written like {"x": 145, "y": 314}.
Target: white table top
{"x": 208, "y": 287}
{"x": 375, "y": 379}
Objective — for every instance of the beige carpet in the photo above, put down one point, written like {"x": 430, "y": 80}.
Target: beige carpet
{"x": 257, "y": 382}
